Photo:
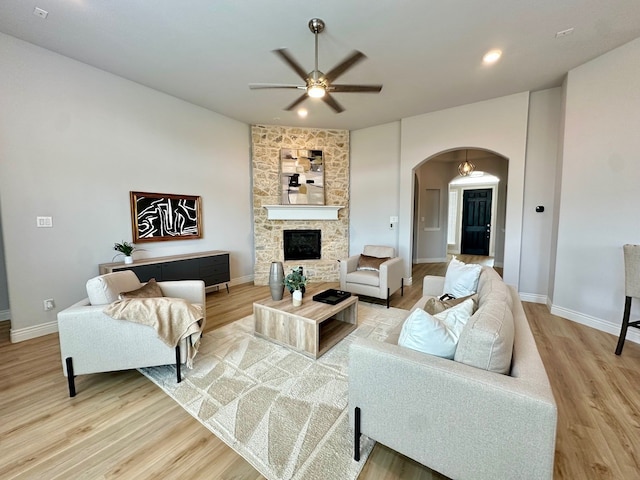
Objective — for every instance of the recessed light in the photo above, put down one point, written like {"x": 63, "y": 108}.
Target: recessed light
{"x": 564, "y": 33}
{"x": 303, "y": 112}
{"x": 492, "y": 56}
{"x": 38, "y": 12}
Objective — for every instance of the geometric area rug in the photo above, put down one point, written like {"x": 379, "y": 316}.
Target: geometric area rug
{"x": 285, "y": 413}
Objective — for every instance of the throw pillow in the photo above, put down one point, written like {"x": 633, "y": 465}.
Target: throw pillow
{"x": 149, "y": 290}
{"x": 461, "y": 279}
{"x": 435, "y": 305}
{"x": 435, "y": 334}
{"x": 365, "y": 262}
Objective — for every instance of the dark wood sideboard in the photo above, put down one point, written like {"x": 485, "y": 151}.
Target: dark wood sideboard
{"x": 211, "y": 267}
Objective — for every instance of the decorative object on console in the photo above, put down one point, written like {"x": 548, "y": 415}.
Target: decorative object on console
{"x": 276, "y": 280}
{"x": 161, "y": 216}
{"x": 126, "y": 249}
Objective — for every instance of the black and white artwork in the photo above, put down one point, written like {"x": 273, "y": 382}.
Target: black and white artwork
{"x": 159, "y": 216}
{"x": 301, "y": 177}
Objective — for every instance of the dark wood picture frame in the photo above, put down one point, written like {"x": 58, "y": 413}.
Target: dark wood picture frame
{"x": 157, "y": 217}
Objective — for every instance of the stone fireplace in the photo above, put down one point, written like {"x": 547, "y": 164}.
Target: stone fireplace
{"x": 269, "y": 234}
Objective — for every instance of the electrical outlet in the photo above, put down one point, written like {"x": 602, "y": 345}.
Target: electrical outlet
{"x": 49, "y": 304}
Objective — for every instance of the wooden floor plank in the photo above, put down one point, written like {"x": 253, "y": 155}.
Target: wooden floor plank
{"x": 122, "y": 426}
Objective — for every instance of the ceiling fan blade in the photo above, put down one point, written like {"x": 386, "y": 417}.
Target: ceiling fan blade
{"x": 355, "y": 88}
{"x": 256, "y": 86}
{"x": 297, "y": 102}
{"x": 353, "y": 58}
{"x": 284, "y": 54}
{"x": 329, "y": 100}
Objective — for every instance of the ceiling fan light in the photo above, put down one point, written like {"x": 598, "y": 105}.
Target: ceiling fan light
{"x": 316, "y": 91}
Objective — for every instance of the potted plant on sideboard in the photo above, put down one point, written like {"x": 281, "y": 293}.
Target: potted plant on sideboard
{"x": 126, "y": 249}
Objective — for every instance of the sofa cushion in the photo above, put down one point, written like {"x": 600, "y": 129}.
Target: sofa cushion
{"x": 461, "y": 279}
{"x": 486, "y": 340}
{"x": 435, "y": 334}
{"x": 365, "y": 262}
{"x": 106, "y": 288}
{"x": 433, "y": 305}
{"x": 150, "y": 290}
{"x": 364, "y": 277}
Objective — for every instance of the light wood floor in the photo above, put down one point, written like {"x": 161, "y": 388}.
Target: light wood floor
{"x": 122, "y": 426}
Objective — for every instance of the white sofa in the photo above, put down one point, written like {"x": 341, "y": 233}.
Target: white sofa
{"x": 464, "y": 421}
{"x": 91, "y": 341}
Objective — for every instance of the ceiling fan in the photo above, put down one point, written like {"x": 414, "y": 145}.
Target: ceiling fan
{"x": 319, "y": 84}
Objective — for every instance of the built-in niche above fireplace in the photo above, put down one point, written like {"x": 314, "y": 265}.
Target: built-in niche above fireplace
{"x": 302, "y": 244}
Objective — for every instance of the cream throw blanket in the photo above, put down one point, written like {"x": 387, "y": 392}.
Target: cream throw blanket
{"x": 172, "y": 318}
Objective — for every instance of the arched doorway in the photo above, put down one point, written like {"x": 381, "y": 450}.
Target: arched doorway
{"x": 437, "y": 184}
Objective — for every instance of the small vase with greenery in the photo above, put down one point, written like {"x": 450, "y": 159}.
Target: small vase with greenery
{"x": 126, "y": 249}
{"x": 295, "y": 280}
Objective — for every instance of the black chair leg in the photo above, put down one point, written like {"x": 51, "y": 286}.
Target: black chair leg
{"x": 356, "y": 435}
{"x": 388, "y": 295}
{"x": 178, "y": 363}
{"x": 70, "y": 377}
{"x": 402, "y": 287}
{"x": 625, "y": 325}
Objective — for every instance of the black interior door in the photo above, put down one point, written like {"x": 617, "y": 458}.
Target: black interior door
{"x": 476, "y": 221}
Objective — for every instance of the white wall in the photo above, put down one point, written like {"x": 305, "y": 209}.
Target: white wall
{"x": 75, "y": 141}
{"x": 542, "y": 153}
{"x": 498, "y": 125}
{"x": 4, "y": 287}
{"x": 600, "y": 195}
{"x": 375, "y": 160}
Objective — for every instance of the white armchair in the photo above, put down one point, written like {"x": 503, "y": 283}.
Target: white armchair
{"x": 362, "y": 275}
{"x": 91, "y": 341}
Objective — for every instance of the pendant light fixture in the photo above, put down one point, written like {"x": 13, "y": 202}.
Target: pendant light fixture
{"x": 466, "y": 167}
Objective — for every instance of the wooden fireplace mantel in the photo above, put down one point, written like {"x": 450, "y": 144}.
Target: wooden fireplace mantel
{"x": 302, "y": 212}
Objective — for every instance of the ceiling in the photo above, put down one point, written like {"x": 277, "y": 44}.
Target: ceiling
{"x": 427, "y": 54}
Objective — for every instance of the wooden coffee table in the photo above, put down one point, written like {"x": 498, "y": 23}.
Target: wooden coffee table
{"x": 312, "y": 328}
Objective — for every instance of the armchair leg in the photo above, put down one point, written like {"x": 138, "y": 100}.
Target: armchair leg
{"x": 402, "y": 287}
{"x": 356, "y": 433}
{"x": 178, "y": 363}
{"x": 625, "y": 325}
{"x": 70, "y": 377}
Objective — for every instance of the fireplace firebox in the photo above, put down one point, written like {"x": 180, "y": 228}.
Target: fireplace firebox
{"x": 302, "y": 244}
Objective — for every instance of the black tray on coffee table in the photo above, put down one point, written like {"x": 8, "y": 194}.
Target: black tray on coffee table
{"x": 331, "y": 296}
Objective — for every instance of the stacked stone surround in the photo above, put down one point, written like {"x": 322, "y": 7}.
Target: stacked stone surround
{"x": 266, "y": 143}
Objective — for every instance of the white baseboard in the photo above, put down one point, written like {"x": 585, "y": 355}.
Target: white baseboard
{"x": 597, "y": 323}
{"x": 431, "y": 260}
{"x": 5, "y": 315}
{"x": 533, "y": 298}
{"x": 27, "y": 333}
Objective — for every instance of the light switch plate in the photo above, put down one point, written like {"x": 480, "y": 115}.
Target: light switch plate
{"x": 44, "y": 222}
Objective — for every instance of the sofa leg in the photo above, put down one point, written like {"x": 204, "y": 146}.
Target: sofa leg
{"x": 178, "y": 363}
{"x": 402, "y": 287}
{"x": 70, "y": 377}
{"x": 388, "y": 295}
{"x": 356, "y": 435}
